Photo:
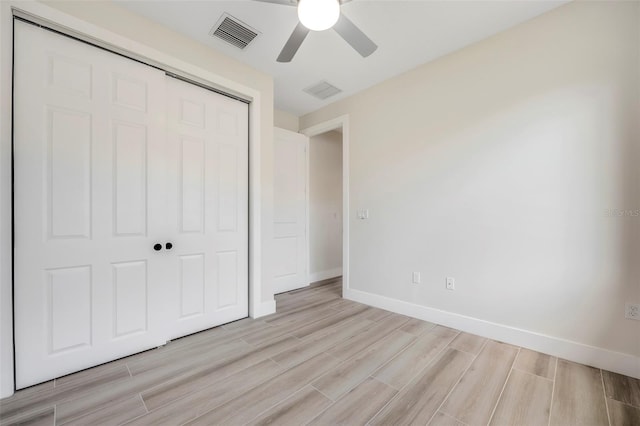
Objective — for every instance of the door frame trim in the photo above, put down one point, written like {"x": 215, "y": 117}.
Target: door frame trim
{"x": 341, "y": 122}
{"x": 42, "y": 14}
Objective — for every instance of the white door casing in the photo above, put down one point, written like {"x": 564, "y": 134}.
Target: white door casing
{"x": 289, "y": 254}
{"x": 208, "y": 191}
{"x": 96, "y": 186}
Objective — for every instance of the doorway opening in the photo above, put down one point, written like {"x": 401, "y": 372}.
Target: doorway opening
{"x": 333, "y": 218}
{"x": 325, "y": 205}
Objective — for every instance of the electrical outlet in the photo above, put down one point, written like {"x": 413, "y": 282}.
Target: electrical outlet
{"x": 363, "y": 214}
{"x": 632, "y": 311}
{"x": 416, "y": 277}
{"x": 451, "y": 283}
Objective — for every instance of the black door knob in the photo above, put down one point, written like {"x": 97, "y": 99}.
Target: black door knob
{"x": 157, "y": 247}
{"x": 168, "y": 246}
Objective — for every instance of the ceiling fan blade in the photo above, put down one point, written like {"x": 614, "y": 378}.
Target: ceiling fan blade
{"x": 282, "y": 2}
{"x": 356, "y": 38}
{"x": 293, "y": 44}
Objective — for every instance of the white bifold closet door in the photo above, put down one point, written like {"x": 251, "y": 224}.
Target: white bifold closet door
{"x": 111, "y": 158}
{"x": 207, "y": 161}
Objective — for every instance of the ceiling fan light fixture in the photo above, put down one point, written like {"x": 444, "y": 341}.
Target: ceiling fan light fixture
{"x": 318, "y": 15}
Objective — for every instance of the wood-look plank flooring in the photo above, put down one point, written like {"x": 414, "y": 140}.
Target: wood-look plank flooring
{"x": 323, "y": 360}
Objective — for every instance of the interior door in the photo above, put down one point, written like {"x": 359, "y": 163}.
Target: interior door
{"x": 89, "y": 202}
{"x": 208, "y": 207}
{"x": 290, "y": 213}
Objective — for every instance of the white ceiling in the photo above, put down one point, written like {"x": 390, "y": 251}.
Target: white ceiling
{"x": 408, "y": 33}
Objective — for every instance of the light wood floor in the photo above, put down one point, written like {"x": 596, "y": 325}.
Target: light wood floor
{"x": 324, "y": 360}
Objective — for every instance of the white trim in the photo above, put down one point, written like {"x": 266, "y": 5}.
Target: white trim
{"x": 617, "y": 362}
{"x": 78, "y": 28}
{"x": 266, "y": 308}
{"x": 341, "y": 122}
{"x": 307, "y": 217}
{"x": 6, "y": 289}
{"x": 324, "y": 275}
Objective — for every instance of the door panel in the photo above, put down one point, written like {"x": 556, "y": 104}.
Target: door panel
{"x": 290, "y": 217}
{"x": 68, "y": 308}
{"x": 130, "y": 171}
{"x": 130, "y": 287}
{"x": 89, "y": 168}
{"x": 208, "y": 189}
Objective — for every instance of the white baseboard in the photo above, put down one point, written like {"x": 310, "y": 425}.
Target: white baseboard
{"x": 324, "y": 275}
{"x": 617, "y": 362}
{"x": 265, "y": 308}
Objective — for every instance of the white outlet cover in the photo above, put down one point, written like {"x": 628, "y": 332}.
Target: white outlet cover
{"x": 451, "y": 283}
{"x": 632, "y": 311}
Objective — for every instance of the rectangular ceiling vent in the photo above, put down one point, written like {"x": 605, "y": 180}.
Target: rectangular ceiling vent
{"x": 322, "y": 90}
{"x": 233, "y": 31}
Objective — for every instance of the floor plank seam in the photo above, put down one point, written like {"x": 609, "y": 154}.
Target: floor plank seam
{"x": 393, "y": 398}
{"x": 453, "y": 388}
{"x": 325, "y": 395}
{"x": 276, "y": 404}
{"x": 520, "y": 370}
{"x": 447, "y": 415}
{"x": 604, "y": 394}
{"x": 143, "y": 403}
{"x": 418, "y": 373}
{"x": 280, "y": 365}
{"x": 553, "y": 390}
{"x": 394, "y": 357}
{"x": 504, "y": 385}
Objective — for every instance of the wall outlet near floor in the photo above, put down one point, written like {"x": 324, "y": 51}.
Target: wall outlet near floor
{"x": 416, "y": 277}
{"x": 451, "y": 283}
{"x": 632, "y": 311}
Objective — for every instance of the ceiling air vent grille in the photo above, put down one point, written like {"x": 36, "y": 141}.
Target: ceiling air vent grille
{"x": 322, "y": 90}
{"x": 233, "y": 31}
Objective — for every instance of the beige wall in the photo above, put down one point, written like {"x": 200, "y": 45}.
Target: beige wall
{"x": 496, "y": 165}
{"x": 325, "y": 205}
{"x": 285, "y": 120}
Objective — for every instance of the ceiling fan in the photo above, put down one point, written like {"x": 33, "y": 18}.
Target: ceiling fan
{"x": 320, "y": 15}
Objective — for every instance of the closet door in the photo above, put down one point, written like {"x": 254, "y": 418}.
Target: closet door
{"x": 89, "y": 204}
{"x": 208, "y": 207}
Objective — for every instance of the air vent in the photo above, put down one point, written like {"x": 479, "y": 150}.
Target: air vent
{"x": 322, "y": 90}
{"x": 233, "y": 31}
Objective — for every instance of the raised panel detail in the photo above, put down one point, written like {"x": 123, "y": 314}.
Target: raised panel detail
{"x": 286, "y": 182}
{"x": 227, "y": 278}
{"x": 287, "y": 250}
{"x": 129, "y": 298}
{"x": 191, "y": 285}
{"x": 70, "y": 76}
{"x": 129, "y": 93}
{"x": 69, "y": 308}
{"x": 130, "y": 187}
{"x": 228, "y": 124}
{"x": 228, "y": 188}
{"x": 69, "y": 198}
{"x": 192, "y": 189}
{"x": 192, "y": 113}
